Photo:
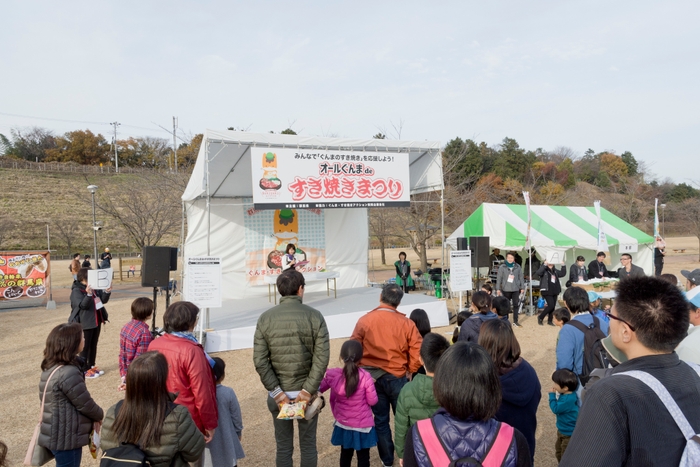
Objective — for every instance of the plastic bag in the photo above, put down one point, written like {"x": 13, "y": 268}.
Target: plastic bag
{"x": 292, "y": 411}
{"x": 541, "y": 302}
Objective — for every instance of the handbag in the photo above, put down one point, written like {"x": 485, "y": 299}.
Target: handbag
{"x": 39, "y": 455}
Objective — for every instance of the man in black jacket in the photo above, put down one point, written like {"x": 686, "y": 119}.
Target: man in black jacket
{"x": 596, "y": 268}
{"x": 623, "y": 421}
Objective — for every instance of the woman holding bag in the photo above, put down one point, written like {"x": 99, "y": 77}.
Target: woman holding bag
{"x": 69, "y": 411}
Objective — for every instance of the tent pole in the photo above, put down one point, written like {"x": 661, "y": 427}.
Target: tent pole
{"x": 182, "y": 247}
{"x": 206, "y": 310}
{"x": 529, "y": 261}
{"x": 442, "y": 243}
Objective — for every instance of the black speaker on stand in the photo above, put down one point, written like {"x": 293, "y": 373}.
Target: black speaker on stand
{"x": 480, "y": 256}
{"x": 155, "y": 272}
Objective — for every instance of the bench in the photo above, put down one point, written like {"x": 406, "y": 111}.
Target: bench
{"x": 679, "y": 250}
{"x": 125, "y": 265}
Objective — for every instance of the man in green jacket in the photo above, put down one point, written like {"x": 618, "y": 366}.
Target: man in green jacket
{"x": 291, "y": 352}
{"x": 416, "y": 399}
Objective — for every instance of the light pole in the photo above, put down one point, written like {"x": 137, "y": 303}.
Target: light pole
{"x": 92, "y": 189}
{"x": 663, "y": 221}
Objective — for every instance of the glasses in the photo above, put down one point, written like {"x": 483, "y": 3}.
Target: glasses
{"x": 611, "y": 316}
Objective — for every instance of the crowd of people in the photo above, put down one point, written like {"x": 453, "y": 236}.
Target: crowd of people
{"x": 618, "y": 370}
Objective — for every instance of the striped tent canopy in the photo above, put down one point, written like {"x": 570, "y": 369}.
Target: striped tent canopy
{"x": 558, "y": 228}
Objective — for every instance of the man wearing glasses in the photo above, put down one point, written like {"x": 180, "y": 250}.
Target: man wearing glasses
{"x": 629, "y": 270}
{"x": 623, "y": 421}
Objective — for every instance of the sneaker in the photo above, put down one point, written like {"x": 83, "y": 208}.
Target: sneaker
{"x": 91, "y": 374}
{"x": 98, "y": 371}
{"x": 517, "y": 325}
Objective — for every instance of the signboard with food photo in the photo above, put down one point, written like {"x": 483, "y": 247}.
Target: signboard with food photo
{"x": 286, "y": 178}
{"x": 24, "y": 278}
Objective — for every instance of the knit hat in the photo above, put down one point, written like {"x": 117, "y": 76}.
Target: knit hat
{"x": 693, "y": 276}
{"x": 593, "y": 296}
{"x": 614, "y": 353}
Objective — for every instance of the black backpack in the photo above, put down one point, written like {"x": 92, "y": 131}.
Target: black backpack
{"x": 124, "y": 455}
{"x": 594, "y": 355}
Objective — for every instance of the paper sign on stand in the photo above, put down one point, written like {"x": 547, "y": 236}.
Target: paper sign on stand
{"x": 460, "y": 270}
{"x": 203, "y": 284}
{"x": 100, "y": 279}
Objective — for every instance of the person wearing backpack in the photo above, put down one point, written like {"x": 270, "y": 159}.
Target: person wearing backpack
{"x": 147, "y": 425}
{"x": 579, "y": 335}
{"x": 624, "y": 420}
{"x": 467, "y": 388}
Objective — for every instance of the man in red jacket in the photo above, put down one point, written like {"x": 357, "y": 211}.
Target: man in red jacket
{"x": 390, "y": 352}
{"x": 189, "y": 371}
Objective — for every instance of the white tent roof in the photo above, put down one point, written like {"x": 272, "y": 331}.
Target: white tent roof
{"x": 226, "y": 156}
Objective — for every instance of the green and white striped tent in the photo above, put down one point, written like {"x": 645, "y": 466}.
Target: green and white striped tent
{"x": 572, "y": 230}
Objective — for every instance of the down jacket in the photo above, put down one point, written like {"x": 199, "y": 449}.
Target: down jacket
{"x": 290, "y": 347}
{"x": 179, "y": 439}
{"x": 416, "y": 402}
{"x": 190, "y": 377}
{"x": 353, "y": 411}
{"x": 83, "y": 307}
{"x": 69, "y": 410}
{"x": 472, "y": 326}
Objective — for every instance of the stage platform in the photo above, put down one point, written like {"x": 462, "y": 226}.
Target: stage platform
{"x": 234, "y": 323}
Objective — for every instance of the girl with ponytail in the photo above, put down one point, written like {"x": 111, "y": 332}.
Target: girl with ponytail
{"x": 352, "y": 395}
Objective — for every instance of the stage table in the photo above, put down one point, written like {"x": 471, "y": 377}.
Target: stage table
{"x": 271, "y": 282}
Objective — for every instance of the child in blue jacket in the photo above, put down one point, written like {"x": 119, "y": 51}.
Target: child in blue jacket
{"x": 565, "y": 407}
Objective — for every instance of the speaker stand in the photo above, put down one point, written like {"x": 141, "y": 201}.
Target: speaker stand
{"x": 154, "y": 331}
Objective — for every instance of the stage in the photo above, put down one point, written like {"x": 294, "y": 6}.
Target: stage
{"x": 234, "y": 323}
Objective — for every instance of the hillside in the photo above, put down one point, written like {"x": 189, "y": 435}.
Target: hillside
{"x": 30, "y": 199}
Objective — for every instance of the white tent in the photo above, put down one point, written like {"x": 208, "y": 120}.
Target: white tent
{"x": 570, "y": 230}
{"x": 220, "y": 190}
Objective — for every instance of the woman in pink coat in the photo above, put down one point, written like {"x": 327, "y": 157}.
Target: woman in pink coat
{"x": 352, "y": 395}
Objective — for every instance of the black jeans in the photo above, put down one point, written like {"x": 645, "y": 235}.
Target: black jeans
{"x": 549, "y": 309}
{"x": 346, "y": 457}
{"x": 514, "y": 299}
{"x": 89, "y": 352}
{"x": 388, "y": 388}
{"x": 658, "y": 267}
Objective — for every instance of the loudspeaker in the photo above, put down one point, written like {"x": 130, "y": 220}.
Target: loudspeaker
{"x": 480, "y": 252}
{"x": 155, "y": 270}
{"x": 173, "y": 259}
{"x": 462, "y": 243}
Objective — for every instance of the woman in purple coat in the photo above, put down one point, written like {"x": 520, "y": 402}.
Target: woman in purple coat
{"x": 520, "y": 387}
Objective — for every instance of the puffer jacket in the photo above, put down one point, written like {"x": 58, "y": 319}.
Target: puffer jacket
{"x": 416, "y": 402}
{"x": 520, "y": 396}
{"x": 502, "y": 283}
{"x": 290, "y": 347}
{"x": 179, "y": 438}
{"x": 83, "y": 307}
{"x": 69, "y": 410}
{"x": 353, "y": 411}
{"x": 547, "y": 287}
{"x": 471, "y": 327}
{"x": 462, "y": 438}
{"x": 190, "y": 377}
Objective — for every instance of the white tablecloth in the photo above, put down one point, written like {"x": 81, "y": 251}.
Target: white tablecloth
{"x": 308, "y": 276}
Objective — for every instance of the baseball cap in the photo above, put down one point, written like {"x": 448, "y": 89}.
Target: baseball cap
{"x": 614, "y": 353}
{"x": 693, "y": 276}
{"x": 593, "y": 296}
{"x": 693, "y": 298}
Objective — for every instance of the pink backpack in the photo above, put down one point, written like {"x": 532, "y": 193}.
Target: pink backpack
{"x": 439, "y": 457}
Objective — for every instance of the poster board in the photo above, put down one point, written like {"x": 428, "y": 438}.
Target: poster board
{"x": 460, "y": 270}
{"x": 323, "y": 179}
{"x": 203, "y": 283}
{"x": 24, "y": 278}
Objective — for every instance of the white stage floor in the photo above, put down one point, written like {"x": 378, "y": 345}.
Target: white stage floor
{"x": 234, "y": 323}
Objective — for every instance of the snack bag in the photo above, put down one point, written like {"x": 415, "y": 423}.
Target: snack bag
{"x": 292, "y": 411}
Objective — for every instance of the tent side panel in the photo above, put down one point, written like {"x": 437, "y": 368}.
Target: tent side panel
{"x": 347, "y": 236}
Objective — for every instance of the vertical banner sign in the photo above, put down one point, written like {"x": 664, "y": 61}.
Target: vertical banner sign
{"x": 268, "y": 232}
{"x": 23, "y": 276}
{"x": 460, "y": 270}
{"x": 526, "y": 195}
{"x": 203, "y": 284}
{"x": 602, "y": 239}
{"x": 656, "y": 218}
{"x": 288, "y": 178}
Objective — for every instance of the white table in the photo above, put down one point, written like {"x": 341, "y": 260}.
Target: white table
{"x": 271, "y": 282}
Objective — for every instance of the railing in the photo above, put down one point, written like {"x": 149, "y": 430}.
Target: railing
{"x": 9, "y": 163}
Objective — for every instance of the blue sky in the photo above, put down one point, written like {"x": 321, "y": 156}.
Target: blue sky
{"x": 619, "y": 76}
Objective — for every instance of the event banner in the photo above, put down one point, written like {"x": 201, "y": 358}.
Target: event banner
{"x": 23, "y": 275}
{"x": 288, "y": 178}
{"x": 268, "y": 232}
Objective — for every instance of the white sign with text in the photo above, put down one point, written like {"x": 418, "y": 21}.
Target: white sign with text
{"x": 203, "y": 281}
{"x": 460, "y": 270}
{"x": 100, "y": 279}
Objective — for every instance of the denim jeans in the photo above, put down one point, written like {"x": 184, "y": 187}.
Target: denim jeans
{"x": 284, "y": 436}
{"x": 388, "y": 388}
{"x": 70, "y": 458}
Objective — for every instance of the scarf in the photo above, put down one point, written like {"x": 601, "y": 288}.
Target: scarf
{"x": 510, "y": 265}
{"x": 190, "y": 337}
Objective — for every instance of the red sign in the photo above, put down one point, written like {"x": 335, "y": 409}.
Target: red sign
{"x": 23, "y": 275}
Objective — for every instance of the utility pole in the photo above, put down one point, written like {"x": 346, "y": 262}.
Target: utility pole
{"x": 174, "y": 141}
{"x": 116, "y": 156}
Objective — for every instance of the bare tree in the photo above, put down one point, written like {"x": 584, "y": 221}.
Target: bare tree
{"x": 147, "y": 206}
{"x": 68, "y": 229}
{"x": 381, "y": 226}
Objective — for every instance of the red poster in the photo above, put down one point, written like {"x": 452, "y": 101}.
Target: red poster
{"x": 23, "y": 275}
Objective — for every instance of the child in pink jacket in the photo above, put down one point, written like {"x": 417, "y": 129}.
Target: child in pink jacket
{"x": 352, "y": 395}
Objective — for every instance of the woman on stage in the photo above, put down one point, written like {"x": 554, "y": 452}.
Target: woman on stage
{"x": 403, "y": 273}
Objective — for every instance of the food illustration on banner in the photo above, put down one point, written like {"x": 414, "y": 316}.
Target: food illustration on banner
{"x": 22, "y": 275}
{"x": 269, "y": 180}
